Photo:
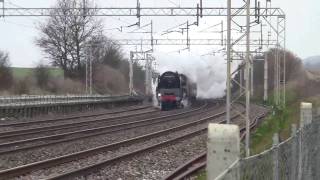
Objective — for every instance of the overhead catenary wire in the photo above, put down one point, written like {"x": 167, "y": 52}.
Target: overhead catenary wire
{"x": 182, "y": 29}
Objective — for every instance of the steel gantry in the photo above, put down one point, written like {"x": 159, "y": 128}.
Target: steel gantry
{"x": 265, "y": 17}
{"x": 245, "y": 18}
{"x": 146, "y": 56}
{"x": 196, "y": 42}
{"x": 141, "y": 11}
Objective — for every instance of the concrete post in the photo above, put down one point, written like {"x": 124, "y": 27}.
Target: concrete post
{"x": 305, "y": 119}
{"x": 223, "y": 148}
{"x": 305, "y": 114}
{"x": 275, "y": 140}
{"x": 294, "y": 148}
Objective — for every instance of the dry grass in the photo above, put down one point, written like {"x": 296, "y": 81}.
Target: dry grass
{"x": 109, "y": 80}
{"x": 106, "y": 80}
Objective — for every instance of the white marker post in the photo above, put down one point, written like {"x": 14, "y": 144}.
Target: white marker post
{"x": 305, "y": 119}
{"x": 223, "y": 148}
{"x": 305, "y": 114}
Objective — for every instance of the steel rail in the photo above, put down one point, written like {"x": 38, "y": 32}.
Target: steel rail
{"x": 86, "y": 170}
{"x": 28, "y": 131}
{"x": 73, "y": 117}
{"x": 199, "y": 162}
{"x": 17, "y": 171}
{"x": 96, "y": 131}
{"x": 68, "y": 101}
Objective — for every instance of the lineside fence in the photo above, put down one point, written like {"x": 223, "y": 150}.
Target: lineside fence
{"x": 297, "y": 158}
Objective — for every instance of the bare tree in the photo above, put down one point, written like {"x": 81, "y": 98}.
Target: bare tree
{"x": 105, "y": 51}
{"x": 6, "y": 78}
{"x": 64, "y": 38}
{"x": 42, "y": 75}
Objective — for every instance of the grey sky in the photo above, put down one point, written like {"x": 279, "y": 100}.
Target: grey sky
{"x": 17, "y": 34}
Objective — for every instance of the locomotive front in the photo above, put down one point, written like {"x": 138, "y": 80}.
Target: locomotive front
{"x": 169, "y": 94}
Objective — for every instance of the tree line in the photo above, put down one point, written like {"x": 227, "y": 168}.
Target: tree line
{"x": 69, "y": 42}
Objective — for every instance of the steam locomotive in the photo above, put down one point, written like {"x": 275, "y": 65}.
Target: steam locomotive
{"x": 174, "y": 90}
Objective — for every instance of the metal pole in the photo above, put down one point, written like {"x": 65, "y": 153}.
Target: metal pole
{"x": 284, "y": 66}
{"x": 147, "y": 77}
{"x": 228, "y": 105}
{"x": 251, "y": 77}
{"x": 241, "y": 80}
{"x": 87, "y": 73}
{"x": 90, "y": 64}
{"x": 152, "y": 45}
{"x": 276, "y": 75}
{"x": 149, "y": 69}
{"x": 278, "y": 66}
{"x": 87, "y": 76}
{"x": 188, "y": 42}
{"x": 150, "y": 77}
{"x": 265, "y": 92}
{"x": 247, "y": 82}
{"x": 131, "y": 74}
{"x": 222, "y": 35}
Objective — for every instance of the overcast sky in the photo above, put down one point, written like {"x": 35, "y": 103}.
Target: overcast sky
{"x": 17, "y": 35}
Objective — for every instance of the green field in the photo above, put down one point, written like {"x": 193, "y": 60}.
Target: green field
{"x": 20, "y": 73}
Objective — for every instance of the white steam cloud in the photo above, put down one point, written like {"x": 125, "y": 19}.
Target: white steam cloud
{"x": 208, "y": 71}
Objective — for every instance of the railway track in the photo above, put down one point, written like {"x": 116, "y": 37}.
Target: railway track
{"x": 83, "y": 154}
{"x": 86, "y": 170}
{"x": 85, "y": 124}
{"x": 17, "y": 146}
{"x": 75, "y": 123}
{"x": 199, "y": 162}
{"x": 38, "y": 152}
{"x": 72, "y": 117}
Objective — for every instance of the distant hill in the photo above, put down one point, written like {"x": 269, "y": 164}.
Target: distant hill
{"x": 20, "y": 73}
{"x": 312, "y": 63}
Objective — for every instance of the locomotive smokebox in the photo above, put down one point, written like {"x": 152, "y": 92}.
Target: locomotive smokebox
{"x": 173, "y": 88}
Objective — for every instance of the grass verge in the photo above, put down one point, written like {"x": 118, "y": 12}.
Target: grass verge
{"x": 278, "y": 121}
{"x": 202, "y": 175}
